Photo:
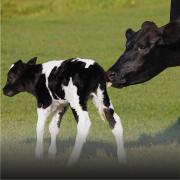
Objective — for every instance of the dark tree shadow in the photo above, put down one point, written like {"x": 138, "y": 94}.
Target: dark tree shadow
{"x": 169, "y": 135}
{"x": 90, "y": 147}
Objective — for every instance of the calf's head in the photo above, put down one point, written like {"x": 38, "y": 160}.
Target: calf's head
{"x": 16, "y": 78}
{"x": 141, "y": 59}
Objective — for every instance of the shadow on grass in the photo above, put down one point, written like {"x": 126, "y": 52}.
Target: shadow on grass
{"x": 90, "y": 147}
{"x": 169, "y": 135}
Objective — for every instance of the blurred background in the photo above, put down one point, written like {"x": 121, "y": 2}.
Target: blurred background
{"x": 40, "y": 7}
{"x": 94, "y": 29}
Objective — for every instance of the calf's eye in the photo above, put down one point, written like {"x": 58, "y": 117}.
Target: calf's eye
{"x": 10, "y": 79}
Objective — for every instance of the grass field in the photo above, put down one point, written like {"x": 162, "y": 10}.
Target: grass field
{"x": 62, "y": 29}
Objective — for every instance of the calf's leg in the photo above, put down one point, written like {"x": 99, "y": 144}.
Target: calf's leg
{"x": 113, "y": 120}
{"x": 54, "y": 129}
{"x": 78, "y": 102}
{"x": 42, "y": 117}
{"x": 83, "y": 127}
{"x": 117, "y": 130}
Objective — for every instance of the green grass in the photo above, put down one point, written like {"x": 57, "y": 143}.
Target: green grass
{"x": 76, "y": 28}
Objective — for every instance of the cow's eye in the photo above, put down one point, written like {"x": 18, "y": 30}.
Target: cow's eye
{"x": 142, "y": 47}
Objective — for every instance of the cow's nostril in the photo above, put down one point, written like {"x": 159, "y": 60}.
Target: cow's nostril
{"x": 111, "y": 75}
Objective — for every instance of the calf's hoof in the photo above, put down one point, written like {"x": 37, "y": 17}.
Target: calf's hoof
{"x": 52, "y": 153}
{"x": 72, "y": 161}
{"x": 39, "y": 154}
{"x": 122, "y": 158}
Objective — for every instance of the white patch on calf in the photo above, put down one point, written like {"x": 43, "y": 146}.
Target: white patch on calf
{"x": 99, "y": 105}
{"x": 88, "y": 62}
{"x": 100, "y": 100}
{"x": 53, "y": 129}
{"x": 118, "y": 134}
{"x": 83, "y": 128}
{"x": 42, "y": 117}
{"x": 83, "y": 121}
{"x": 48, "y": 66}
{"x": 72, "y": 96}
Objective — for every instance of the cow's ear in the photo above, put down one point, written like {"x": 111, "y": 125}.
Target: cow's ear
{"x": 32, "y": 61}
{"x": 129, "y": 33}
{"x": 149, "y": 25}
{"x": 171, "y": 33}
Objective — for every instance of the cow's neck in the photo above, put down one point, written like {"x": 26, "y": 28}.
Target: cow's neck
{"x": 174, "y": 58}
{"x": 174, "y": 62}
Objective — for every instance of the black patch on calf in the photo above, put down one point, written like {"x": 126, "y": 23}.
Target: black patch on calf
{"x": 106, "y": 100}
{"x": 42, "y": 94}
{"x": 61, "y": 113}
{"x": 75, "y": 115}
{"x": 55, "y": 83}
{"x": 109, "y": 116}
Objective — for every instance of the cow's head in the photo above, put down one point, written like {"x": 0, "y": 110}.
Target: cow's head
{"x": 141, "y": 59}
{"x": 16, "y": 78}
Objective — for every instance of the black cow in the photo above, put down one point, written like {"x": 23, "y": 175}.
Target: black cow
{"x": 148, "y": 51}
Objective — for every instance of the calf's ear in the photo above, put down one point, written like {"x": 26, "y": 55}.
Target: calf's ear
{"x": 129, "y": 33}
{"x": 19, "y": 62}
{"x": 171, "y": 33}
{"x": 32, "y": 61}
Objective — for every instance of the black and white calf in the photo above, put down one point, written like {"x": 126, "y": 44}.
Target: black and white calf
{"x": 59, "y": 84}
